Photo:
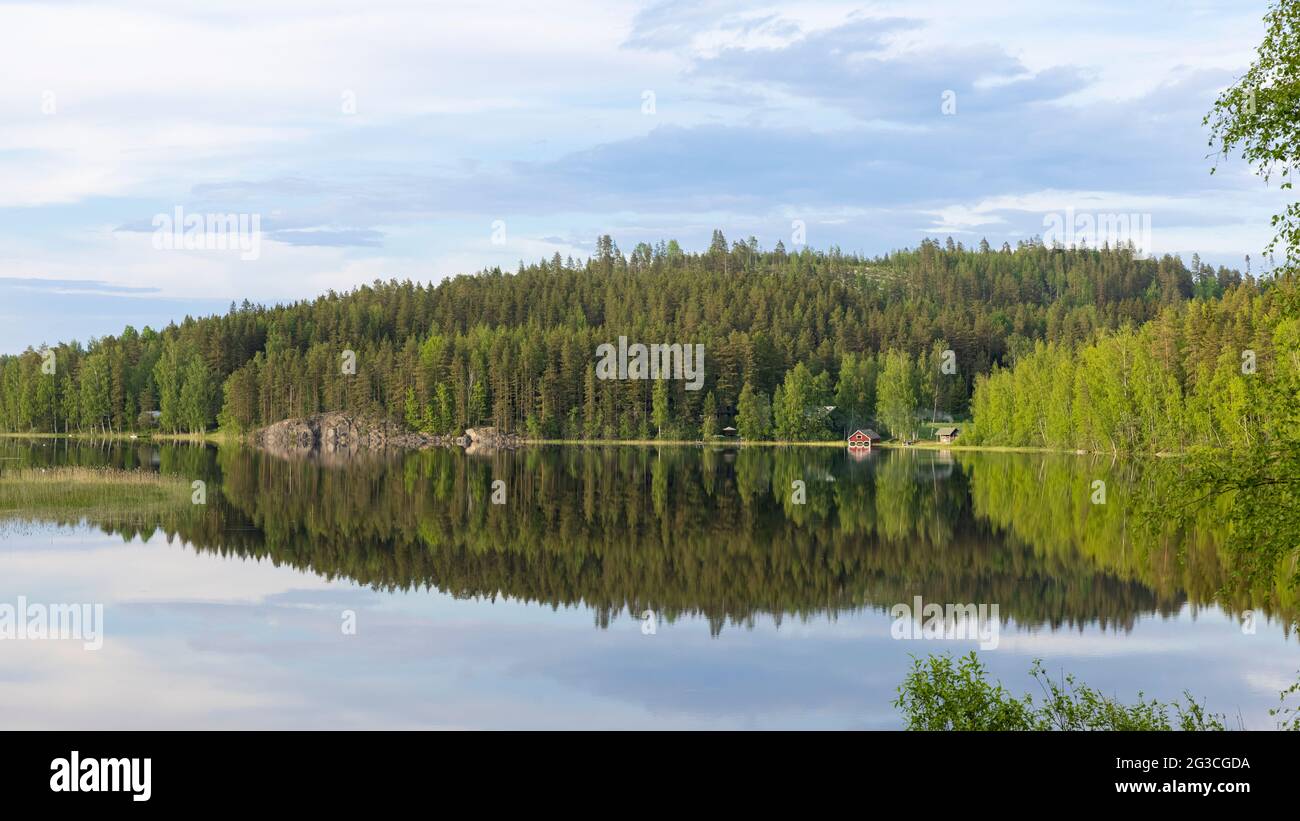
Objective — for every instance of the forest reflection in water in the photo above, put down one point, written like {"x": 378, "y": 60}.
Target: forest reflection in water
{"x": 705, "y": 531}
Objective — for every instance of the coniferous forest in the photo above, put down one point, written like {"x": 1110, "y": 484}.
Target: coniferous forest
{"x": 786, "y": 335}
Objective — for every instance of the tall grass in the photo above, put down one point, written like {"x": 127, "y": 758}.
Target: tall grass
{"x": 99, "y": 495}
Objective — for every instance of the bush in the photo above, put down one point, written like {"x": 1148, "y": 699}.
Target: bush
{"x": 942, "y": 694}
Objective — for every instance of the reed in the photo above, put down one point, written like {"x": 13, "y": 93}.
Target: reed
{"x": 93, "y": 494}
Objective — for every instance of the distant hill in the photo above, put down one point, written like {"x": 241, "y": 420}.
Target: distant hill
{"x": 516, "y": 350}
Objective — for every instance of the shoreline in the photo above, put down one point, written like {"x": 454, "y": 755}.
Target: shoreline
{"x": 217, "y": 437}
{"x": 222, "y": 438}
{"x": 928, "y": 445}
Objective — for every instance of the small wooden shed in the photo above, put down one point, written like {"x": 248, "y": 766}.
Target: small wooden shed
{"x": 863, "y": 439}
{"x": 946, "y": 435}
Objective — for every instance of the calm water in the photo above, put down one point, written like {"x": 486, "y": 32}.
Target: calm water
{"x": 768, "y": 612}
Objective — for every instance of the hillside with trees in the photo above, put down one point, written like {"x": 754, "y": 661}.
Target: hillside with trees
{"x": 784, "y": 333}
{"x": 1214, "y": 373}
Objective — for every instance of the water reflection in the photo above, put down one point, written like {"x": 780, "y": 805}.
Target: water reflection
{"x": 704, "y": 532}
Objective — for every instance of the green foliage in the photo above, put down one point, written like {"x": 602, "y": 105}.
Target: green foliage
{"x": 659, "y": 407}
{"x": 95, "y": 387}
{"x": 709, "y": 421}
{"x": 940, "y": 694}
{"x": 799, "y": 406}
{"x": 102, "y": 496}
{"x": 855, "y": 392}
{"x": 1071, "y": 706}
{"x": 940, "y": 390}
{"x": 168, "y": 373}
{"x": 478, "y": 404}
{"x": 195, "y": 406}
{"x": 1257, "y": 114}
{"x": 1255, "y": 483}
{"x": 507, "y": 348}
{"x": 413, "y": 415}
{"x": 753, "y": 414}
{"x": 444, "y": 418}
{"x": 1200, "y": 374}
{"x": 897, "y": 395}
{"x": 1287, "y": 715}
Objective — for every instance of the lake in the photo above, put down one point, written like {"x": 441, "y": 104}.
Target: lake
{"x": 616, "y": 587}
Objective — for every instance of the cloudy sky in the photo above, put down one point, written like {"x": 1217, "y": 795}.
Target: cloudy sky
{"x": 208, "y": 641}
{"x": 416, "y": 139}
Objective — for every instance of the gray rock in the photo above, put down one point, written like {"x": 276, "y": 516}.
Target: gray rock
{"x": 340, "y": 435}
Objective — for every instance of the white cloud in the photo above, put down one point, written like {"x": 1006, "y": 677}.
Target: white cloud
{"x": 532, "y": 113}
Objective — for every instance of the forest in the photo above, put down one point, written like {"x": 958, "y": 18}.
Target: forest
{"x": 1220, "y": 374}
{"x": 799, "y": 346}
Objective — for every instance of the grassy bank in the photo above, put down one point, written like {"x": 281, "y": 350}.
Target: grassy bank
{"x": 93, "y": 494}
{"x": 215, "y": 437}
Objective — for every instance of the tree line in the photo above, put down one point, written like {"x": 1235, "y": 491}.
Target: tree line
{"x": 1222, "y": 374}
{"x": 799, "y": 345}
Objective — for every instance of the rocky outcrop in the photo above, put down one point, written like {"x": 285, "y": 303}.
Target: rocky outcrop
{"x": 491, "y": 438}
{"x": 340, "y": 435}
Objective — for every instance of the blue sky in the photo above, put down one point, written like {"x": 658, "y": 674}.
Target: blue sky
{"x": 402, "y": 139}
